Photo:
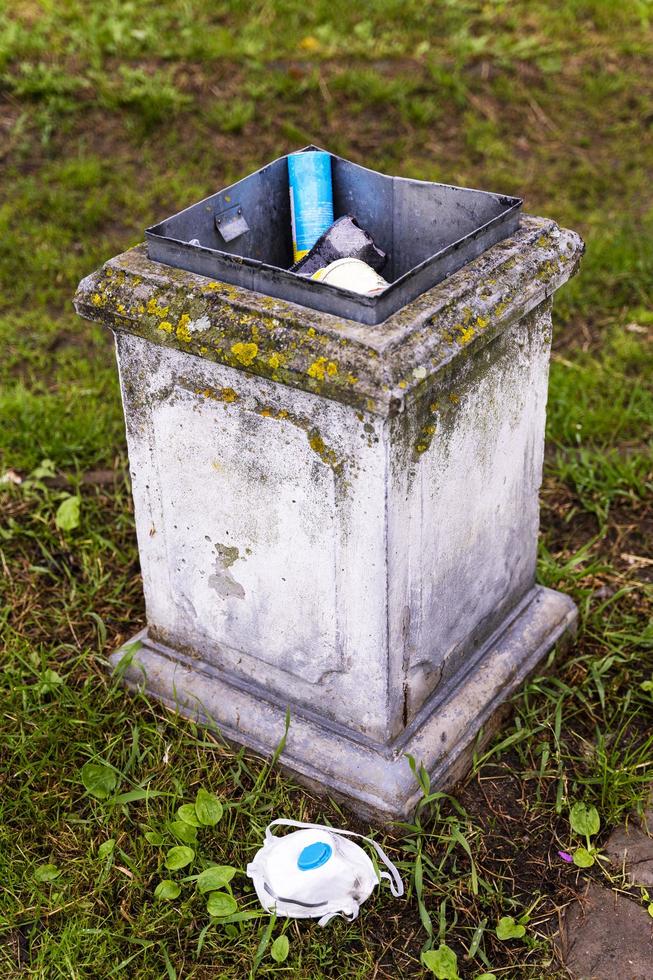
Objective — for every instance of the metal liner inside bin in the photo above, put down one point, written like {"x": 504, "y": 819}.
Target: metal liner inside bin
{"x": 428, "y": 230}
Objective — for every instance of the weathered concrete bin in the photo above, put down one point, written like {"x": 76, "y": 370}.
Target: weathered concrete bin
{"x": 341, "y": 518}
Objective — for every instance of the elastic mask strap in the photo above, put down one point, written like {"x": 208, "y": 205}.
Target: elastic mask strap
{"x": 396, "y": 884}
{"x": 332, "y": 915}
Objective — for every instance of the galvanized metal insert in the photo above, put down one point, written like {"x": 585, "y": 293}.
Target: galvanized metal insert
{"x": 428, "y": 230}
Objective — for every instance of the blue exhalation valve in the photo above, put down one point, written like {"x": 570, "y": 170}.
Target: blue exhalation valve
{"x": 314, "y": 856}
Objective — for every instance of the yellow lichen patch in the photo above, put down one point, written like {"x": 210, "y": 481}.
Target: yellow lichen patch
{"x": 403, "y": 384}
{"x": 318, "y": 445}
{"x": 244, "y": 353}
{"x": 465, "y": 335}
{"x": 352, "y": 379}
{"x": 156, "y": 310}
{"x": 500, "y": 307}
{"x": 320, "y": 368}
{"x": 96, "y": 299}
{"x": 425, "y": 437}
{"x": 183, "y": 333}
{"x": 210, "y": 287}
{"x": 165, "y": 325}
{"x": 227, "y": 395}
{"x": 140, "y": 308}
{"x": 311, "y": 331}
{"x": 275, "y": 360}
{"x": 454, "y": 399}
{"x": 482, "y": 322}
{"x": 121, "y": 308}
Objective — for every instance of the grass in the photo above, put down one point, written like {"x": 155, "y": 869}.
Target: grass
{"x": 116, "y": 114}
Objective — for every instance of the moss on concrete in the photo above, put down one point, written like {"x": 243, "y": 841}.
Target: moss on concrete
{"x": 376, "y": 368}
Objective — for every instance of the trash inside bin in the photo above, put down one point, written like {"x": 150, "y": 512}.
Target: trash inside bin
{"x": 345, "y": 239}
{"x": 311, "y": 199}
{"x": 427, "y": 230}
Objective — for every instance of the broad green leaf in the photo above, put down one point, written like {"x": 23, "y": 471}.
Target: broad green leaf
{"x": 582, "y": 858}
{"x": 99, "y": 780}
{"x": 179, "y": 857}
{"x": 47, "y": 872}
{"x": 215, "y": 878}
{"x": 67, "y": 517}
{"x": 188, "y": 815}
{"x": 443, "y": 962}
{"x": 220, "y": 904}
{"x": 49, "y": 681}
{"x": 106, "y": 849}
{"x": 154, "y": 838}
{"x": 650, "y": 910}
{"x": 183, "y": 831}
{"x": 584, "y": 819}
{"x": 486, "y": 976}
{"x": 44, "y": 470}
{"x": 208, "y": 808}
{"x": 507, "y": 928}
{"x": 280, "y": 949}
{"x": 167, "y": 890}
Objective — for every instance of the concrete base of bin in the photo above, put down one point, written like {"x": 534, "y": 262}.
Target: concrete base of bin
{"x": 375, "y": 779}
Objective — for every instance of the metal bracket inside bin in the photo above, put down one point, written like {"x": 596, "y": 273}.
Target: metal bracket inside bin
{"x": 231, "y": 223}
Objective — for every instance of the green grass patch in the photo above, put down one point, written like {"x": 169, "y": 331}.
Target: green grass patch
{"x": 117, "y": 114}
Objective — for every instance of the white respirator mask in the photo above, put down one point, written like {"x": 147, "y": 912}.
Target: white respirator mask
{"x": 316, "y": 873}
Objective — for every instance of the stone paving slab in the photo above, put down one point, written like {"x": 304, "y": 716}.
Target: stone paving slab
{"x": 607, "y": 936}
{"x": 631, "y": 848}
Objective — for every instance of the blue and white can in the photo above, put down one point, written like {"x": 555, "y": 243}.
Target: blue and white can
{"x": 311, "y": 198}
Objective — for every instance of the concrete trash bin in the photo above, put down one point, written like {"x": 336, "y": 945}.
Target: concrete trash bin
{"x": 339, "y": 518}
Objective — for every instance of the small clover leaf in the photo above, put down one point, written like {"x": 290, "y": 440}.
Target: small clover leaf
{"x": 215, "y": 877}
{"x": 99, "y": 780}
{"x": 507, "y": 928}
{"x": 47, "y": 872}
{"x": 188, "y": 815}
{"x": 208, "y": 808}
{"x": 154, "y": 838}
{"x": 583, "y": 858}
{"x": 443, "y": 962}
{"x": 67, "y": 516}
{"x": 585, "y": 819}
{"x": 105, "y": 850}
{"x": 179, "y": 857}
{"x": 280, "y": 949}
{"x": 220, "y": 904}
{"x": 167, "y": 890}
{"x": 183, "y": 831}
